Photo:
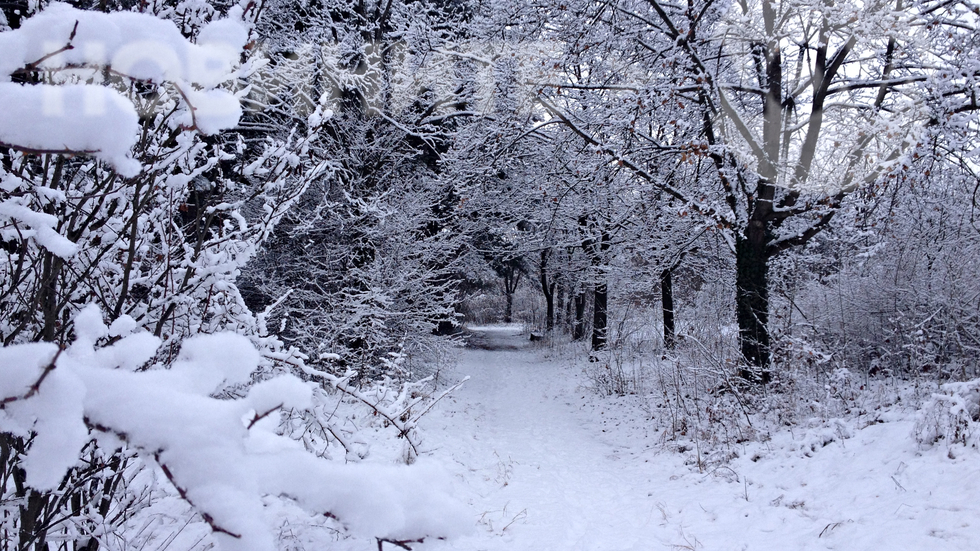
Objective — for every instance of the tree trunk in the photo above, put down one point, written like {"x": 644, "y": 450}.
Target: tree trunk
{"x": 548, "y": 288}
{"x": 600, "y": 316}
{"x": 667, "y": 299}
{"x": 596, "y": 249}
{"x": 752, "y": 301}
{"x": 560, "y": 306}
{"x": 751, "y": 257}
{"x": 578, "y": 327}
{"x": 512, "y": 276}
{"x": 550, "y": 304}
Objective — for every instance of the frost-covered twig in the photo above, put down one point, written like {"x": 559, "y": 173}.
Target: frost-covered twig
{"x": 183, "y": 495}
{"x": 340, "y": 383}
{"x": 36, "y": 386}
{"x": 442, "y": 395}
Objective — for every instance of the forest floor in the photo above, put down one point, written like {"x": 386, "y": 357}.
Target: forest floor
{"x": 544, "y": 463}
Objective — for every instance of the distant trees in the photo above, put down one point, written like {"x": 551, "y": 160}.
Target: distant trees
{"x": 792, "y": 108}
{"x": 365, "y": 266}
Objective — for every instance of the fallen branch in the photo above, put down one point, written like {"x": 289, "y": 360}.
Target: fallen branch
{"x": 398, "y": 543}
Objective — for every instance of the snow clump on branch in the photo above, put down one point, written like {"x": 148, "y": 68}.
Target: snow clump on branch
{"x": 223, "y": 456}
{"x": 94, "y": 118}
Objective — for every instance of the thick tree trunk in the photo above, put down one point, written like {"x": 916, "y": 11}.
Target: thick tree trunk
{"x": 550, "y": 312}
{"x": 511, "y": 276}
{"x": 751, "y": 256}
{"x": 578, "y": 326}
{"x": 560, "y": 306}
{"x": 597, "y": 249}
{"x": 752, "y": 301}
{"x": 548, "y": 289}
{"x": 600, "y": 316}
{"x": 667, "y": 299}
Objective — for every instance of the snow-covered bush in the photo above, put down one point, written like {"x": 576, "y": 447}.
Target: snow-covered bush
{"x": 108, "y": 195}
{"x": 114, "y": 189}
{"x": 616, "y": 375}
{"x": 891, "y": 290}
{"x": 119, "y": 193}
{"x": 368, "y": 256}
{"x": 951, "y": 415}
{"x": 223, "y": 456}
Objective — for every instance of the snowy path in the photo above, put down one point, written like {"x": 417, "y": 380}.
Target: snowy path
{"x": 557, "y": 484}
{"x": 541, "y": 473}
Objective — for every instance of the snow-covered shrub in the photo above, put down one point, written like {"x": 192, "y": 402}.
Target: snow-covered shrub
{"x": 951, "y": 415}
{"x": 344, "y": 421}
{"x": 158, "y": 223}
{"x": 701, "y": 408}
{"x": 117, "y": 190}
{"x": 891, "y": 288}
{"x": 368, "y": 255}
{"x": 223, "y": 456}
{"x": 112, "y": 193}
{"x": 614, "y": 374}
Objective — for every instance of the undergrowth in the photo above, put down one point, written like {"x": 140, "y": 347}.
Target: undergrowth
{"x": 701, "y": 407}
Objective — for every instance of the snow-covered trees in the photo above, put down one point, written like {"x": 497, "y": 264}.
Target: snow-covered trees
{"x": 156, "y": 225}
{"x": 308, "y": 187}
{"x": 368, "y": 257}
{"x": 794, "y": 105}
{"x": 125, "y": 219}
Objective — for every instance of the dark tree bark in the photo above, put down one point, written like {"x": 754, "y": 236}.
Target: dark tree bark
{"x": 512, "y": 276}
{"x": 597, "y": 249}
{"x": 34, "y": 511}
{"x": 667, "y": 300}
{"x": 752, "y": 302}
{"x": 560, "y": 311}
{"x": 600, "y": 315}
{"x": 548, "y": 289}
{"x": 578, "y": 326}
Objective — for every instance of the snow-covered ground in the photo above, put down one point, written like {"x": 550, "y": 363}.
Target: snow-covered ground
{"x": 544, "y": 464}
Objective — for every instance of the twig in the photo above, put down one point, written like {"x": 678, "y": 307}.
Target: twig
{"x": 36, "y": 151}
{"x": 190, "y": 108}
{"x": 258, "y": 417}
{"x": 398, "y": 543}
{"x": 441, "y": 396}
{"x": 36, "y": 386}
{"x": 900, "y": 487}
{"x": 335, "y": 433}
{"x": 173, "y": 481}
{"x": 338, "y": 383}
{"x": 30, "y": 67}
{"x": 515, "y": 519}
{"x": 830, "y": 528}
{"x": 183, "y": 495}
